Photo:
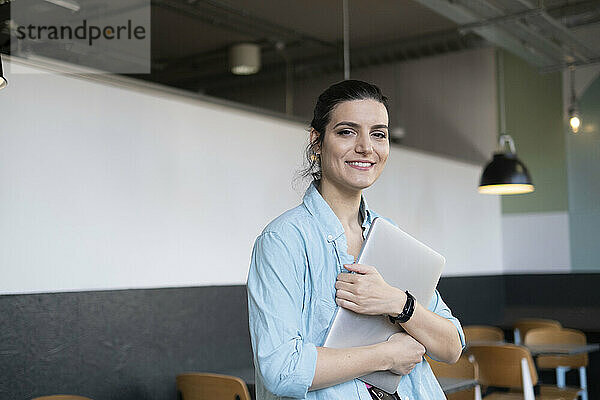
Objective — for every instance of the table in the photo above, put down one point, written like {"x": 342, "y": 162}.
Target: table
{"x": 565, "y": 350}
{"x": 452, "y": 385}
{"x": 562, "y": 349}
{"x": 547, "y": 349}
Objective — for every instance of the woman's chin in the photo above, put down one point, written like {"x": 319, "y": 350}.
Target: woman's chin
{"x": 360, "y": 184}
{"x": 353, "y": 183}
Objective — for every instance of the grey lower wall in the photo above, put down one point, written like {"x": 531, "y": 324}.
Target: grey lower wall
{"x": 127, "y": 344}
{"x": 130, "y": 344}
{"x": 573, "y": 299}
{"x": 474, "y": 299}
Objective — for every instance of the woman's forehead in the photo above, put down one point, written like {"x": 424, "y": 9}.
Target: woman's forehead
{"x": 364, "y": 112}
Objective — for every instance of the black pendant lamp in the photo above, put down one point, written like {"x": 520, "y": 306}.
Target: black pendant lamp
{"x": 3, "y": 81}
{"x": 505, "y": 174}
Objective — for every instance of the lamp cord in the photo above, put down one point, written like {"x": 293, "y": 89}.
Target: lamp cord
{"x": 346, "y": 40}
{"x": 573, "y": 96}
{"x": 501, "y": 92}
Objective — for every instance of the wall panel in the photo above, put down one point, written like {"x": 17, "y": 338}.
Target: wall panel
{"x": 105, "y": 187}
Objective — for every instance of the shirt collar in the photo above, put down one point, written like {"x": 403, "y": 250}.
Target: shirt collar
{"x": 318, "y": 207}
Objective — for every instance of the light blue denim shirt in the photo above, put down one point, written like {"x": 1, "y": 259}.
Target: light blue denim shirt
{"x": 291, "y": 302}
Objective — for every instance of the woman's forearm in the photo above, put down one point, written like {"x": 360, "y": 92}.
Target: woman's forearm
{"x": 437, "y": 334}
{"x": 335, "y": 366}
{"x": 399, "y": 354}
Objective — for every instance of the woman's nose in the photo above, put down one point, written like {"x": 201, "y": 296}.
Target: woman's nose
{"x": 363, "y": 144}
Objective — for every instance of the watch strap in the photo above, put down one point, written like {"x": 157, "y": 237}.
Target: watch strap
{"x": 407, "y": 311}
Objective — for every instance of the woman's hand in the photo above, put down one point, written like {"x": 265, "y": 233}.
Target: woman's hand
{"x": 366, "y": 292}
{"x": 405, "y": 353}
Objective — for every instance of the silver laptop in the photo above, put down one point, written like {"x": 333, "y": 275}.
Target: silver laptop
{"x": 403, "y": 262}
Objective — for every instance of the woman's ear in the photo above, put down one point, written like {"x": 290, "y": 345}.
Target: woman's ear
{"x": 314, "y": 135}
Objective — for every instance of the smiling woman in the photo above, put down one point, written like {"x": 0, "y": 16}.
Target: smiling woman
{"x": 300, "y": 264}
{"x": 355, "y": 145}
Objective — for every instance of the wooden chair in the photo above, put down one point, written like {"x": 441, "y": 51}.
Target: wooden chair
{"x": 62, "y": 397}
{"x": 205, "y": 386}
{"x": 465, "y": 368}
{"x": 509, "y": 366}
{"x": 522, "y": 326}
{"x": 483, "y": 333}
{"x": 561, "y": 364}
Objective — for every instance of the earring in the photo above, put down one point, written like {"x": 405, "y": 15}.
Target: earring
{"x": 315, "y": 157}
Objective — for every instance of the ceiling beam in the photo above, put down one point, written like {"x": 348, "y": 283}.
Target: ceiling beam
{"x": 494, "y": 34}
{"x": 531, "y": 33}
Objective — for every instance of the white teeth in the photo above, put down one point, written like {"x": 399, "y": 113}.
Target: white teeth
{"x": 360, "y": 164}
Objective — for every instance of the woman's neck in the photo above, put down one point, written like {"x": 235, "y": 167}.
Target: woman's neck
{"x": 345, "y": 204}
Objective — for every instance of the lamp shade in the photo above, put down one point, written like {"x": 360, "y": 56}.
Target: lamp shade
{"x": 505, "y": 174}
{"x": 244, "y": 58}
{"x": 3, "y": 81}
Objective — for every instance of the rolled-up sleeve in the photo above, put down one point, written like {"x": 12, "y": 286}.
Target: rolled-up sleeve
{"x": 438, "y": 306}
{"x": 284, "y": 359}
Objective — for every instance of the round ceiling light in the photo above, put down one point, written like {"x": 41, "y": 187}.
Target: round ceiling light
{"x": 244, "y": 58}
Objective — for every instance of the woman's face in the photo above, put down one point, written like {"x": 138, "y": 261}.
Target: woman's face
{"x": 355, "y": 147}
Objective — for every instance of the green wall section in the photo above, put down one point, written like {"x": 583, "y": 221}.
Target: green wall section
{"x": 583, "y": 155}
{"x": 534, "y": 119}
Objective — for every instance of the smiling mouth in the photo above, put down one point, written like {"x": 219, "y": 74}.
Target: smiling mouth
{"x": 360, "y": 165}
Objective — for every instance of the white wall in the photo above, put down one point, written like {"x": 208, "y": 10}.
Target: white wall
{"x": 104, "y": 187}
{"x": 536, "y": 242}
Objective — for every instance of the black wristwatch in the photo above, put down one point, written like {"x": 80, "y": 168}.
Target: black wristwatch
{"x": 407, "y": 312}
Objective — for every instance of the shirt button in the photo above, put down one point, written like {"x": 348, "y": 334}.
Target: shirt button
{"x": 329, "y": 237}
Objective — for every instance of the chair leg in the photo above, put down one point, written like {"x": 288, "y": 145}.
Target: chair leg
{"x": 583, "y": 383}
{"x": 527, "y": 383}
{"x": 478, "y": 392}
{"x": 561, "y": 373}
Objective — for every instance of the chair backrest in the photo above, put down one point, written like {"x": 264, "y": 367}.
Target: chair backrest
{"x": 205, "y": 386}
{"x": 526, "y": 324}
{"x": 483, "y": 333}
{"x": 465, "y": 368}
{"x": 500, "y": 365}
{"x": 62, "y": 397}
{"x": 562, "y": 336}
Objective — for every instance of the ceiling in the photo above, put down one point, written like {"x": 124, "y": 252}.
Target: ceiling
{"x": 309, "y": 34}
{"x": 190, "y": 38}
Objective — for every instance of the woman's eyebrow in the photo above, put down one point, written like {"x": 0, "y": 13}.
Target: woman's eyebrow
{"x": 348, "y": 123}
{"x": 355, "y": 125}
{"x": 381, "y": 126}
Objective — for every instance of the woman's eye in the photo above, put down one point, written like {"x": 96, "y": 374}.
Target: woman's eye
{"x": 345, "y": 132}
{"x": 380, "y": 135}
